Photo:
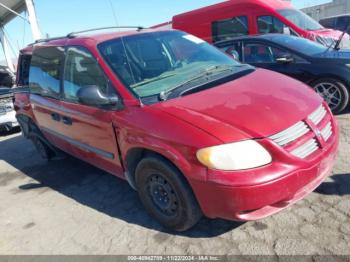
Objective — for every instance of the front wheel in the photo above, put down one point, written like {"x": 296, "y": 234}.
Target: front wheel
{"x": 166, "y": 195}
{"x": 334, "y": 92}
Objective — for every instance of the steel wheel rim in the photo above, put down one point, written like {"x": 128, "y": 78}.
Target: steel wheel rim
{"x": 162, "y": 195}
{"x": 331, "y": 93}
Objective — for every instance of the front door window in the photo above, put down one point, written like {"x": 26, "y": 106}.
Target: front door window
{"x": 271, "y": 24}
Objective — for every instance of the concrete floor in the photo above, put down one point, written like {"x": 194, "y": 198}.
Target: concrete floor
{"x": 69, "y": 207}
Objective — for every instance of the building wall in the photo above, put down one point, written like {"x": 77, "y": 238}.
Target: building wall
{"x": 336, "y": 7}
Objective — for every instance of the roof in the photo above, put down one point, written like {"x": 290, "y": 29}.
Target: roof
{"x": 6, "y": 15}
{"x": 274, "y": 4}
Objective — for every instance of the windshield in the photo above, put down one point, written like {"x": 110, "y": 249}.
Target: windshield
{"x": 300, "y": 19}
{"x": 150, "y": 64}
{"x": 299, "y": 44}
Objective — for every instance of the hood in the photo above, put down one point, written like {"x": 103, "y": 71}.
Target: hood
{"x": 328, "y": 37}
{"x": 257, "y": 105}
{"x": 337, "y": 56}
{"x": 325, "y": 32}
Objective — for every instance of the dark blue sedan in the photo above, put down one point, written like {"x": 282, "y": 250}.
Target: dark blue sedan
{"x": 326, "y": 70}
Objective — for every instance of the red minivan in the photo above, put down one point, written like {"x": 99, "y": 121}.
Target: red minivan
{"x": 192, "y": 130}
{"x": 250, "y": 17}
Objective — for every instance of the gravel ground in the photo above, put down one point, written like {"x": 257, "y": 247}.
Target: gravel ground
{"x": 69, "y": 207}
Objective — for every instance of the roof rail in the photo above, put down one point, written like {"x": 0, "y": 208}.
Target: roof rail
{"x": 49, "y": 39}
{"x": 44, "y": 40}
{"x": 73, "y": 34}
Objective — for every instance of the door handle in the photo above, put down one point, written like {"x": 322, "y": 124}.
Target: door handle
{"x": 56, "y": 117}
{"x": 67, "y": 121}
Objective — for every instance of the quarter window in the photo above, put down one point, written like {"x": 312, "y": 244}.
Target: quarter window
{"x": 82, "y": 70}
{"x": 45, "y": 71}
{"x": 229, "y": 28}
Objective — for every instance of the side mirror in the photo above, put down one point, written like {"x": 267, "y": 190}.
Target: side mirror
{"x": 286, "y": 59}
{"x": 92, "y": 96}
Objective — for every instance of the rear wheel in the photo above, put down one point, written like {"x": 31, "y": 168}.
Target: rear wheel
{"x": 334, "y": 92}
{"x": 166, "y": 195}
{"x": 44, "y": 150}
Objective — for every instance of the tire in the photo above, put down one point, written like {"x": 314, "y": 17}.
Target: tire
{"x": 176, "y": 208}
{"x": 46, "y": 150}
{"x": 337, "y": 101}
{"x": 43, "y": 149}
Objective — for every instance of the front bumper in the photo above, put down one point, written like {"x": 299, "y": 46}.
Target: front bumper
{"x": 8, "y": 121}
{"x": 255, "y": 194}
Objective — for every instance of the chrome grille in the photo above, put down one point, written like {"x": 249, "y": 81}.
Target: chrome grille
{"x": 296, "y": 131}
{"x": 327, "y": 131}
{"x": 317, "y": 116}
{"x": 306, "y": 149}
{"x": 287, "y": 137}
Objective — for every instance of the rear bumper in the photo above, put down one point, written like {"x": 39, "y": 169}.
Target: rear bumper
{"x": 245, "y": 202}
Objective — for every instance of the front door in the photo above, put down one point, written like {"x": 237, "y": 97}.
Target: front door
{"x": 88, "y": 129}
{"x": 273, "y": 58}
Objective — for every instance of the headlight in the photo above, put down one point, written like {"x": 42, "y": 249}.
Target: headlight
{"x": 236, "y": 156}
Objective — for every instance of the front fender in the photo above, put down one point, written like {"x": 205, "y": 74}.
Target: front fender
{"x": 181, "y": 156}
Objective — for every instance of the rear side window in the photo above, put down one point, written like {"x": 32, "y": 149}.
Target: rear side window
{"x": 45, "y": 71}
{"x": 82, "y": 70}
{"x": 23, "y": 70}
{"x": 229, "y": 28}
{"x": 234, "y": 50}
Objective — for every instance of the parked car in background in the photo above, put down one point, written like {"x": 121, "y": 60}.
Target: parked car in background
{"x": 339, "y": 22}
{"x": 231, "y": 19}
{"x": 8, "y": 119}
{"x": 7, "y": 78}
{"x": 192, "y": 130}
{"x": 326, "y": 70}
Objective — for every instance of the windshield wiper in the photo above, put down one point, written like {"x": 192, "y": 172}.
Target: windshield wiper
{"x": 151, "y": 80}
{"x": 163, "y": 96}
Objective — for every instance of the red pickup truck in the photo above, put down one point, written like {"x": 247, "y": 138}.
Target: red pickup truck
{"x": 192, "y": 130}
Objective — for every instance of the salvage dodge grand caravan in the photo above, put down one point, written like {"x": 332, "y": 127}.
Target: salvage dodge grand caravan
{"x": 192, "y": 130}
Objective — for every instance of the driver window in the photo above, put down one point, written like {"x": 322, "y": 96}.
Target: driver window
{"x": 270, "y": 24}
{"x": 260, "y": 53}
{"x": 82, "y": 70}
